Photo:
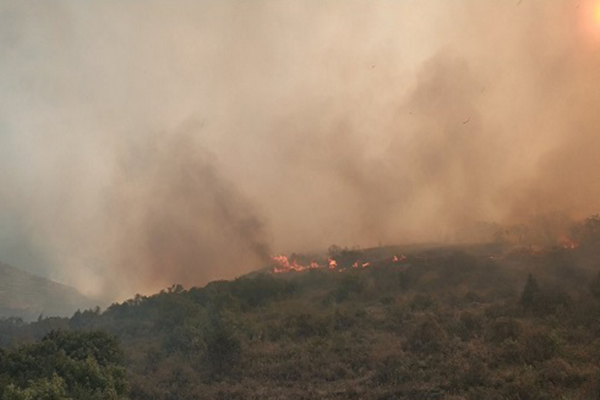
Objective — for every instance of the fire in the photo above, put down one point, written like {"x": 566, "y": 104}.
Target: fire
{"x": 397, "y": 259}
{"x": 283, "y": 264}
{"x": 362, "y": 264}
{"x": 566, "y": 243}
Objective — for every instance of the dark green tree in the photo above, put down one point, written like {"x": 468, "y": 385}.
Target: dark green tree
{"x": 530, "y": 291}
{"x": 595, "y": 287}
{"x": 223, "y": 348}
{"x": 64, "y": 365}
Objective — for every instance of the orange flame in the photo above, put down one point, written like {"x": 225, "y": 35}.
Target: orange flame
{"x": 567, "y": 243}
{"x": 332, "y": 264}
{"x": 397, "y": 259}
{"x": 283, "y": 264}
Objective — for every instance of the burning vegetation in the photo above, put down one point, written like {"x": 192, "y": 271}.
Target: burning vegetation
{"x": 341, "y": 260}
{"x": 542, "y": 235}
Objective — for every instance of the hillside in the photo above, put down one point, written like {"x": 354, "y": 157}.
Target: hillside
{"x": 456, "y": 323}
{"x": 27, "y": 296}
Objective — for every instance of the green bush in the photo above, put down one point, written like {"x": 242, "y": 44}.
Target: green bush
{"x": 65, "y": 365}
{"x": 223, "y": 349}
{"x": 349, "y": 286}
{"x": 428, "y": 336}
{"x": 503, "y": 328}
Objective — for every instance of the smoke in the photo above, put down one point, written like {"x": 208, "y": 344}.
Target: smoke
{"x": 174, "y": 218}
{"x": 145, "y": 143}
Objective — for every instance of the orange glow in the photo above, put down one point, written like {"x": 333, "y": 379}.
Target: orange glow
{"x": 566, "y": 243}
{"x": 283, "y": 264}
{"x": 590, "y": 19}
{"x": 397, "y": 259}
{"x": 332, "y": 264}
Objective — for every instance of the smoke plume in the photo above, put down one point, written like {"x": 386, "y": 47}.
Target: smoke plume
{"x": 148, "y": 143}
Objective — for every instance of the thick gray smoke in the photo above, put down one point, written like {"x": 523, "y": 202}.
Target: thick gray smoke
{"x": 174, "y": 216}
{"x": 145, "y": 143}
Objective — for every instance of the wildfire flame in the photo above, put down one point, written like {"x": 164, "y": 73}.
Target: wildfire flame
{"x": 283, "y": 264}
{"x": 567, "y": 243}
{"x": 397, "y": 259}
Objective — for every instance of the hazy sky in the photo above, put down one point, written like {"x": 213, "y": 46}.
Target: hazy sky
{"x": 145, "y": 143}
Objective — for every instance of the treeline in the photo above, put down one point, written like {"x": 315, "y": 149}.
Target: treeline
{"x": 64, "y": 366}
{"x": 445, "y": 323}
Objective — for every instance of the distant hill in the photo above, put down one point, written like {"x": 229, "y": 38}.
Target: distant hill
{"x": 27, "y": 296}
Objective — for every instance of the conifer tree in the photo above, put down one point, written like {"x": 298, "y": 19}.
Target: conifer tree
{"x": 595, "y": 287}
{"x": 530, "y": 291}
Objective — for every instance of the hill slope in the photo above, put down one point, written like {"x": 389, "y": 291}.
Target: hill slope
{"x": 27, "y": 296}
{"x": 445, "y": 323}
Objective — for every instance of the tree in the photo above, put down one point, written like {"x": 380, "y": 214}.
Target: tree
{"x": 223, "y": 348}
{"x": 530, "y": 291}
{"x": 595, "y": 287}
{"x": 39, "y": 389}
{"x": 64, "y": 365}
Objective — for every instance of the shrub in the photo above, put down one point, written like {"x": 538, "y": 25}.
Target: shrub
{"x": 428, "y": 336}
{"x": 65, "y": 365}
{"x": 469, "y": 325}
{"x": 503, "y": 328}
{"x": 539, "y": 346}
{"x": 350, "y": 285}
{"x": 223, "y": 349}
{"x": 391, "y": 371}
{"x": 305, "y": 325}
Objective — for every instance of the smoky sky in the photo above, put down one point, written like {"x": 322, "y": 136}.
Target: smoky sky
{"x": 146, "y": 143}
